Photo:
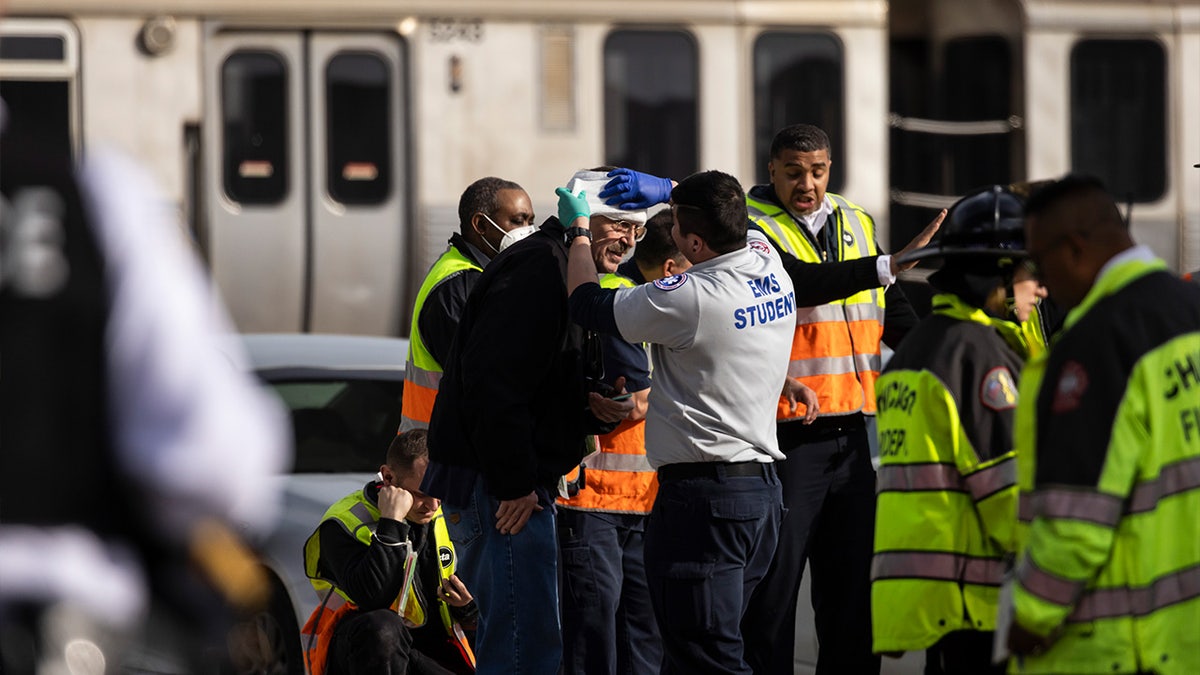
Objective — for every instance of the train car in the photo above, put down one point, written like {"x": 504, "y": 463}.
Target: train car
{"x": 315, "y": 150}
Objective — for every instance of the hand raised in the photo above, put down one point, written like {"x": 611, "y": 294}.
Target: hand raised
{"x": 572, "y": 206}
{"x": 920, "y": 241}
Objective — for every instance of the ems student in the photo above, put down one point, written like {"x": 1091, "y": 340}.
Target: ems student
{"x": 370, "y": 620}
{"x": 1107, "y": 581}
{"x": 720, "y": 336}
{"x": 947, "y": 482}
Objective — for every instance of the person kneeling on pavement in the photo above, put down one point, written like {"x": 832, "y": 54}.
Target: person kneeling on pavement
{"x": 379, "y": 614}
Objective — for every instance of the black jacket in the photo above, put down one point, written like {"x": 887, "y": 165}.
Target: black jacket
{"x": 373, "y": 575}
{"x": 513, "y": 398}
{"x": 443, "y": 306}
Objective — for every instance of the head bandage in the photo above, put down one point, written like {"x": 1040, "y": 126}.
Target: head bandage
{"x": 592, "y": 182}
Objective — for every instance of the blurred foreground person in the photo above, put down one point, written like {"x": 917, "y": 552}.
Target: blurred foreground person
{"x": 384, "y": 565}
{"x": 947, "y": 484}
{"x": 132, "y": 445}
{"x": 1108, "y": 580}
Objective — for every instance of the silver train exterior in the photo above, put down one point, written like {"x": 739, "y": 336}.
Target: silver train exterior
{"x": 315, "y": 150}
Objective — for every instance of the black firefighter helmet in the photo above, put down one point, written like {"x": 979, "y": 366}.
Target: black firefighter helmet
{"x": 984, "y": 228}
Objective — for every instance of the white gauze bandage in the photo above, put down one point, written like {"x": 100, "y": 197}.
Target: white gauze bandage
{"x": 592, "y": 182}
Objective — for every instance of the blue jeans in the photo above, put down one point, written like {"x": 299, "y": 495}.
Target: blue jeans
{"x": 608, "y": 623}
{"x": 514, "y": 579}
{"x": 708, "y": 543}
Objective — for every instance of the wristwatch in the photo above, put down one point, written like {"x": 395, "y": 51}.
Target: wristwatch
{"x": 573, "y": 232}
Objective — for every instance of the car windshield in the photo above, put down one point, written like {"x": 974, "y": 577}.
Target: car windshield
{"x": 341, "y": 425}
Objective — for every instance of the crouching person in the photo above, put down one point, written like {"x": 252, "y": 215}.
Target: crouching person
{"x": 383, "y": 564}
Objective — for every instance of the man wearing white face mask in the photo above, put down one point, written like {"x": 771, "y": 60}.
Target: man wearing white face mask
{"x": 493, "y": 213}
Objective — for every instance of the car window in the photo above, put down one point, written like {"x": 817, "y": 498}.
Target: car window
{"x": 343, "y": 425}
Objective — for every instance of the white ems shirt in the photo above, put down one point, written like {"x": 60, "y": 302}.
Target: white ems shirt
{"x": 721, "y": 338}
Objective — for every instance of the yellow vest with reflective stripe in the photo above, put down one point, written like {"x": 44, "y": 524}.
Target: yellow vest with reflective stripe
{"x": 359, "y": 517}
{"x": 423, "y": 374}
{"x": 617, "y": 478}
{"x": 943, "y": 517}
{"x": 835, "y": 349}
{"x": 1139, "y": 610}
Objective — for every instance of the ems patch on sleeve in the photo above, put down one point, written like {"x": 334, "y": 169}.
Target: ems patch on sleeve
{"x": 760, "y": 246}
{"x": 999, "y": 390}
{"x": 1072, "y": 382}
{"x": 672, "y": 282}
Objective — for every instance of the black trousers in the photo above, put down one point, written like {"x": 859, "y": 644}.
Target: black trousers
{"x": 377, "y": 642}
{"x": 963, "y": 652}
{"x": 829, "y": 491}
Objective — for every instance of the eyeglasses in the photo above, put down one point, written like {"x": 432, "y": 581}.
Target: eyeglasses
{"x": 625, "y": 227}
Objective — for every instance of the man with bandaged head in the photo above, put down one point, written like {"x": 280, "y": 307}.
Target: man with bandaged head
{"x": 521, "y": 391}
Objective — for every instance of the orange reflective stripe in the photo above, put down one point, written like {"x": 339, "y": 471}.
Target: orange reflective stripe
{"x": 836, "y": 395}
{"x": 1110, "y": 603}
{"x": 840, "y": 361}
{"x": 317, "y": 635}
{"x": 618, "y": 478}
{"x": 937, "y": 566}
{"x": 417, "y": 406}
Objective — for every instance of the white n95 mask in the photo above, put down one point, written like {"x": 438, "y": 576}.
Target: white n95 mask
{"x": 510, "y": 237}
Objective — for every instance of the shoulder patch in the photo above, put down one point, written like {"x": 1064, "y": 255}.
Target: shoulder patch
{"x": 671, "y": 283}
{"x": 848, "y": 237}
{"x": 999, "y": 389}
{"x": 760, "y": 246}
{"x": 1072, "y": 383}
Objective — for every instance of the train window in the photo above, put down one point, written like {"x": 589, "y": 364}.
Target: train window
{"x": 39, "y": 109}
{"x": 33, "y": 48}
{"x": 39, "y": 67}
{"x": 254, "y": 107}
{"x": 359, "y": 127}
{"x": 1118, "y": 115}
{"x": 650, "y": 101}
{"x": 798, "y": 79}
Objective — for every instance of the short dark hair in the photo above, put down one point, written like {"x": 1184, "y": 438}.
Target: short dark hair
{"x": 711, "y": 205}
{"x": 1094, "y": 207}
{"x": 406, "y": 449}
{"x": 481, "y": 197}
{"x": 658, "y": 245}
{"x": 1050, "y": 194}
{"x": 799, "y": 137}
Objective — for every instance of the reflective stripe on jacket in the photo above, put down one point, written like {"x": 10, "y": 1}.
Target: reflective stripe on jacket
{"x": 423, "y": 374}
{"x": 617, "y": 478}
{"x": 1110, "y": 482}
{"x": 359, "y": 517}
{"x": 835, "y": 349}
{"x": 947, "y": 484}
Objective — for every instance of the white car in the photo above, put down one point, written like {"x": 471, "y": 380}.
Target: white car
{"x": 344, "y": 396}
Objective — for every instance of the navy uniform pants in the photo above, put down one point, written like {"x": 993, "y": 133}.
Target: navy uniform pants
{"x": 709, "y": 541}
{"x": 608, "y": 624}
{"x": 829, "y": 491}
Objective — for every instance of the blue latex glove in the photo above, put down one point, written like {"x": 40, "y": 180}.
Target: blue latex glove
{"x": 631, "y": 190}
{"x": 571, "y": 206}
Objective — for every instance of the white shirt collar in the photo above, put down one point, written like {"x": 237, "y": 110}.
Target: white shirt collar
{"x": 814, "y": 221}
{"x": 1139, "y": 252}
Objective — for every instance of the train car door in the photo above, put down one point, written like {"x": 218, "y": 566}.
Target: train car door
{"x": 305, "y": 179}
